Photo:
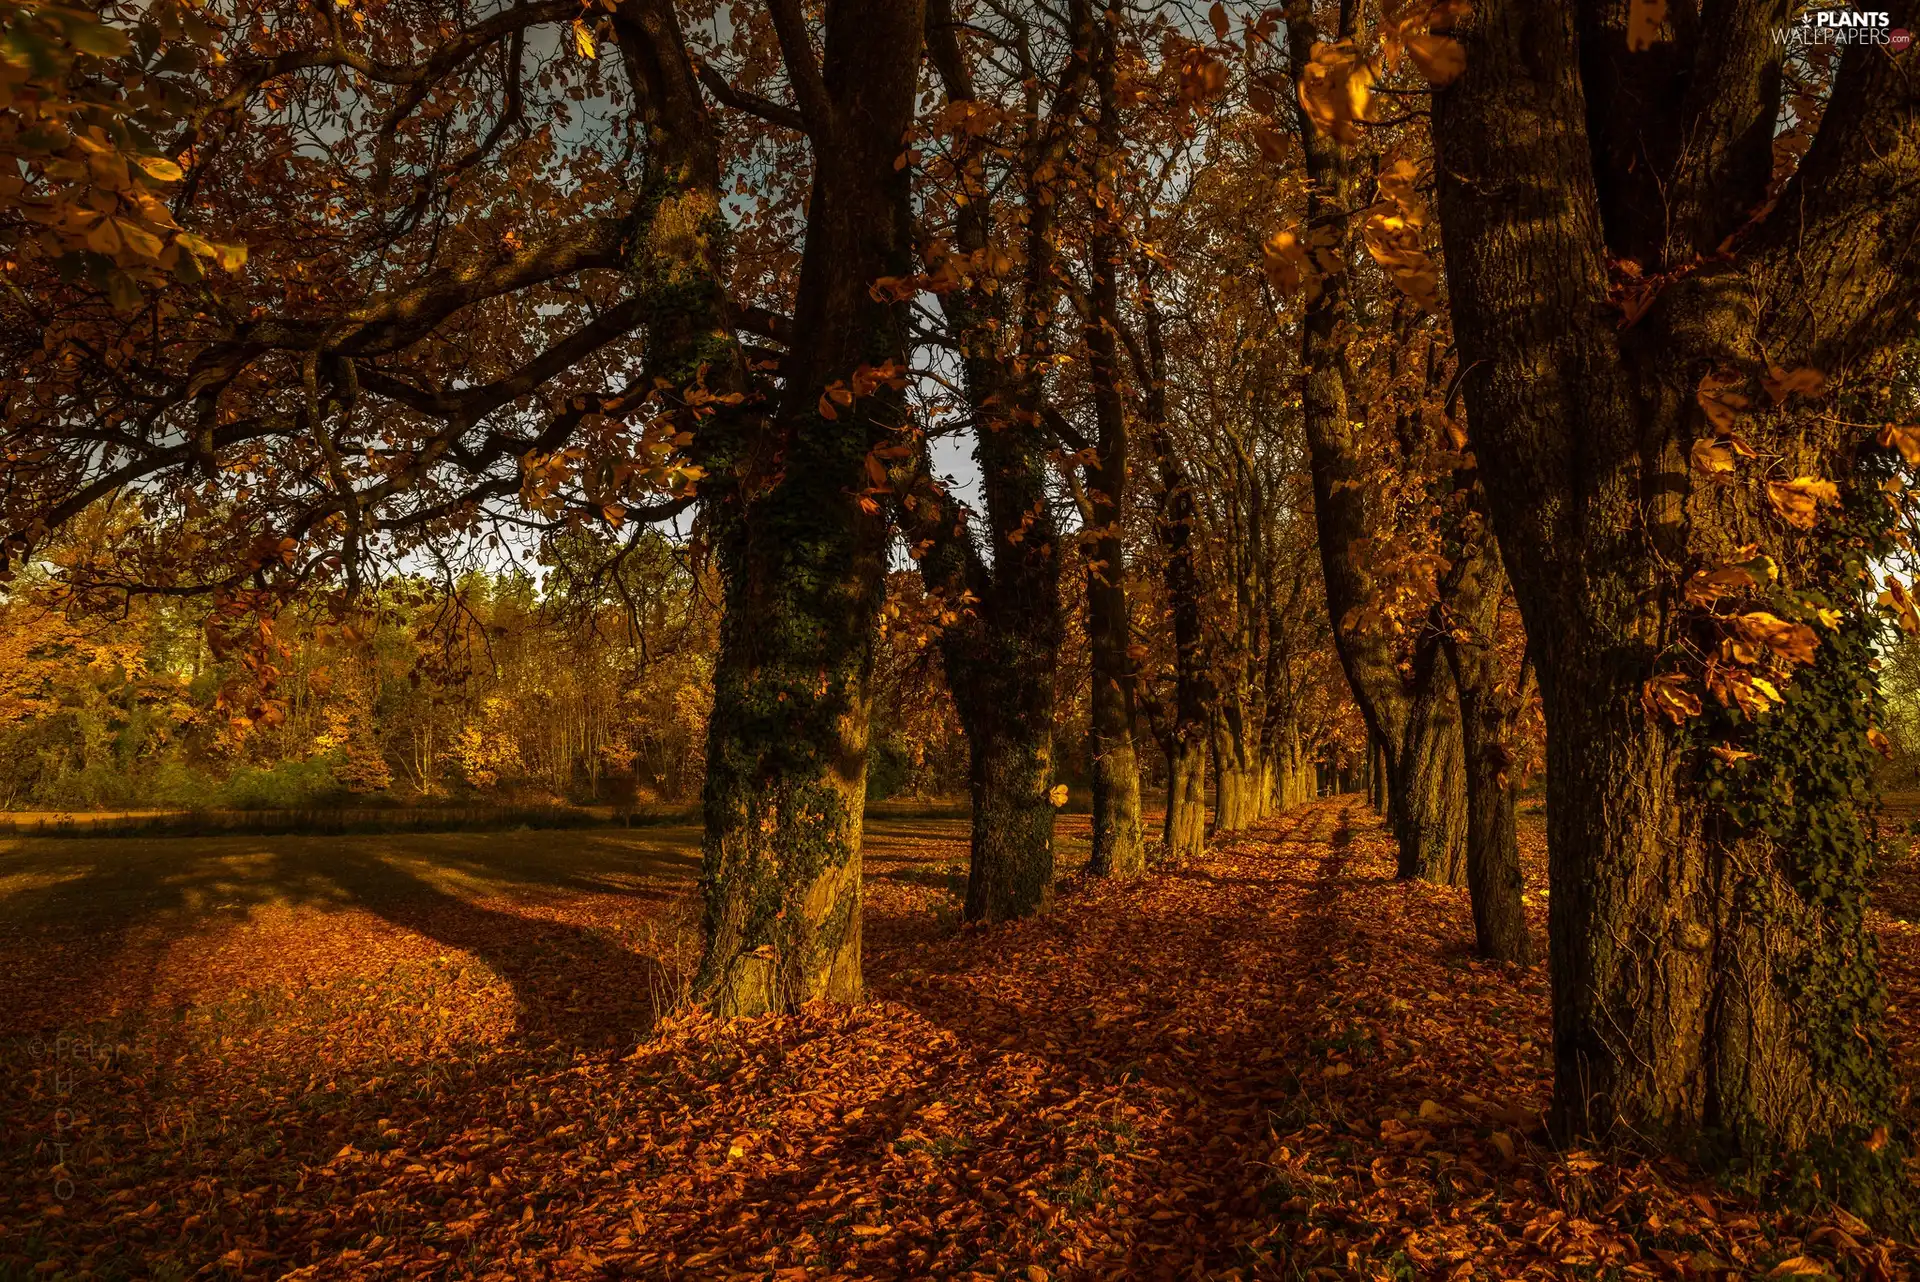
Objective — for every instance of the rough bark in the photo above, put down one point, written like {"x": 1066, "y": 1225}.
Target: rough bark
{"x": 1489, "y": 709}
{"x": 1001, "y": 663}
{"x": 1118, "y": 848}
{"x": 1416, "y": 718}
{"x": 802, "y": 561}
{"x": 1713, "y": 979}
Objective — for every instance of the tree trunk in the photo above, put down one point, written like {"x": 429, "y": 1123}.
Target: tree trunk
{"x": 1489, "y": 709}
{"x": 1417, "y": 717}
{"x": 1232, "y": 787}
{"x": 1118, "y": 849}
{"x": 1427, "y": 784}
{"x": 1185, "y": 828}
{"x": 803, "y": 562}
{"x": 1185, "y": 825}
{"x": 1001, "y": 662}
{"x": 1377, "y": 775}
{"x": 1714, "y": 982}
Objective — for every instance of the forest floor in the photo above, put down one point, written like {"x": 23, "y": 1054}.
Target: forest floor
{"x": 453, "y": 1055}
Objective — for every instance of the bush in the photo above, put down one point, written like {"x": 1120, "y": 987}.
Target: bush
{"x": 289, "y": 785}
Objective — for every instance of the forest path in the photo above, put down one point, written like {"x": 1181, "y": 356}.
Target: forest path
{"x": 1275, "y": 1062}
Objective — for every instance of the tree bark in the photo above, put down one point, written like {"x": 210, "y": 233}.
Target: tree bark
{"x": 1489, "y": 710}
{"x": 803, "y": 561}
{"x": 1184, "y": 831}
{"x": 1416, "y": 719}
{"x": 1001, "y": 663}
{"x": 1713, "y": 978}
{"x": 1118, "y": 848}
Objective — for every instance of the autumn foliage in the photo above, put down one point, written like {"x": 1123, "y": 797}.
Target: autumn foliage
{"x": 1374, "y": 541}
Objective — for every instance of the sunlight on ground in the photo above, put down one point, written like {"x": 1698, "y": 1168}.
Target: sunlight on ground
{"x": 430, "y": 1053}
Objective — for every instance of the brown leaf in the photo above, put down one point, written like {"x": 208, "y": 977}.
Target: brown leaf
{"x": 1780, "y": 383}
{"x": 1644, "y": 20}
{"x": 1671, "y": 695}
{"x": 1440, "y": 59}
{"x": 1719, "y": 401}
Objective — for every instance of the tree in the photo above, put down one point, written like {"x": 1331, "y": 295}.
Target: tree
{"x": 1002, "y": 175}
{"x": 1672, "y": 333}
{"x": 461, "y": 320}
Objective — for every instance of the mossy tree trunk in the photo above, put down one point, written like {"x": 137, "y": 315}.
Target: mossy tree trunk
{"x": 1001, "y": 660}
{"x": 1714, "y": 982}
{"x": 802, "y": 557}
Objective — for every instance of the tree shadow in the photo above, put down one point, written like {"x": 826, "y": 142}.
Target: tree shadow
{"x": 1117, "y": 1021}
{"x": 86, "y": 923}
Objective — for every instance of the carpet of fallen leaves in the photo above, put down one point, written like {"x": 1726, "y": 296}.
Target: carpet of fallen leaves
{"x": 1277, "y": 1062}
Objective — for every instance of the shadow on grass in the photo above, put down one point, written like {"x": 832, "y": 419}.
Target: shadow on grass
{"x": 77, "y": 913}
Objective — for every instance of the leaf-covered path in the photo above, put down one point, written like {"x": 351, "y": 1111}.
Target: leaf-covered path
{"x": 1277, "y": 1062}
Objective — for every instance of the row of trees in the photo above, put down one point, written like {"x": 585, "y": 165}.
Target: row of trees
{"x": 1362, "y": 333}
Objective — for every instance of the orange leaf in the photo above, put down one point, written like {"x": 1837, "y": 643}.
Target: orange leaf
{"x": 1797, "y": 501}
{"x": 1440, "y": 59}
{"x": 1644, "y": 20}
{"x": 1671, "y": 695}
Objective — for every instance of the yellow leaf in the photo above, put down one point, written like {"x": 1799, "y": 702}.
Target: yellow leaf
{"x": 1730, "y": 755}
{"x": 104, "y": 238}
{"x": 1793, "y": 642}
{"x": 1712, "y": 457}
{"x": 582, "y": 39}
{"x": 1284, "y": 259}
{"x": 1057, "y": 795}
{"x": 139, "y": 239}
{"x": 159, "y": 168}
{"x": 1797, "y": 501}
{"x": 1881, "y": 744}
{"x": 1897, "y": 599}
{"x": 1800, "y": 1266}
{"x": 1904, "y": 439}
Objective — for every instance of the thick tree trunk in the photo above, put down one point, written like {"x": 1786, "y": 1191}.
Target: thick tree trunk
{"x": 1233, "y": 776}
{"x": 1001, "y": 662}
{"x": 1012, "y": 855}
{"x": 1713, "y": 977}
{"x": 803, "y": 561}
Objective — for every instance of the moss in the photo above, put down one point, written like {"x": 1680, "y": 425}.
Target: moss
{"x": 1808, "y": 792}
